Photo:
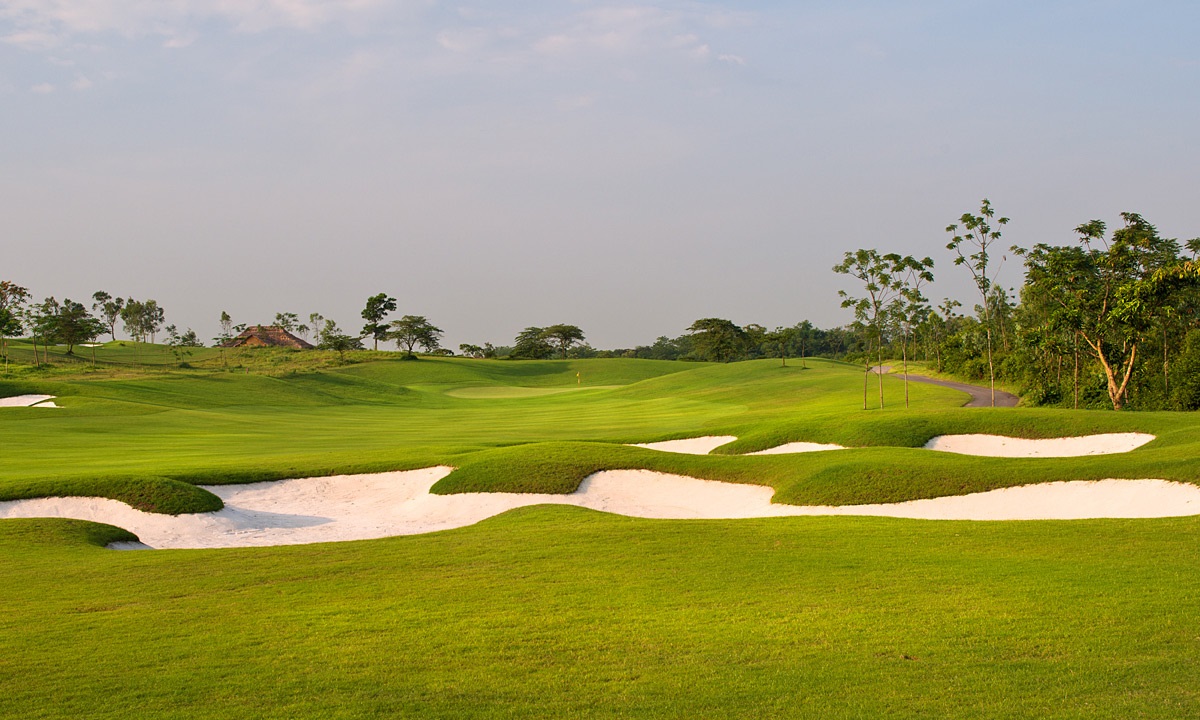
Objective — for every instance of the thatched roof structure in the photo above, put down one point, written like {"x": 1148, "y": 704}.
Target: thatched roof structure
{"x": 268, "y": 336}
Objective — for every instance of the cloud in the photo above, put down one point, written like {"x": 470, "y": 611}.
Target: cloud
{"x": 42, "y": 89}
{"x": 731, "y": 58}
{"x": 81, "y": 82}
{"x": 32, "y": 40}
{"x": 40, "y": 21}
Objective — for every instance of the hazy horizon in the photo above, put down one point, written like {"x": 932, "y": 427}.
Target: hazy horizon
{"x": 627, "y": 168}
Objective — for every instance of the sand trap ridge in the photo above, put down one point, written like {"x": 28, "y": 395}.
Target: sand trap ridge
{"x": 690, "y": 446}
{"x": 999, "y": 446}
{"x": 27, "y": 401}
{"x": 798, "y": 447}
{"x": 359, "y": 507}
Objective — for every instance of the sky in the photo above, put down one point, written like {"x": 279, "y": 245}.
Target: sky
{"x": 625, "y": 167}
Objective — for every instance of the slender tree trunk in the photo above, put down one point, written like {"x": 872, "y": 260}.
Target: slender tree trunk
{"x": 802, "y": 363}
{"x": 37, "y": 362}
{"x": 904, "y": 360}
{"x": 1077, "y": 370}
{"x": 866, "y": 375}
{"x": 991, "y": 369}
{"x": 879, "y": 370}
{"x": 1166, "y": 374}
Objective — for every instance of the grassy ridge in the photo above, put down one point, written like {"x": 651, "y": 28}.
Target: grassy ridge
{"x": 563, "y": 612}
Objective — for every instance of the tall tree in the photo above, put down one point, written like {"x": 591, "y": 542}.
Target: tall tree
{"x": 881, "y": 291}
{"x": 133, "y": 317}
{"x": 912, "y": 305}
{"x": 109, "y": 308}
{"x": 287, "y": 321}
{"x": 562, "y": 337}
{"x": 973, "y": 237}
{"x": 412, "y": 330}
{"x": 332, "y": 338}
{"x": 42, "y": 321}
{"x": 74, "y": 325}
{"x": 378, "y": 306}
{"x": 12, "y": 300}
{"x": 717, "y": 339}
{"x": 155, "y": 317}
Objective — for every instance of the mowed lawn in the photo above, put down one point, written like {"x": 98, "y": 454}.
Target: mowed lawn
{"x": 563, "y": 612}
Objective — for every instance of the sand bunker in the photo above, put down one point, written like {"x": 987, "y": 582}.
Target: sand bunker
{"x": 798, "y": 447}
{"x": 27, "y": 401}
{"x": 998, "y": 446}
{"x": 690, "y": 446}
{"x": 360, "y": 507}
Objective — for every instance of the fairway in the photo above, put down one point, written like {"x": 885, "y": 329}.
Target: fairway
{"x": 552, "y": 611}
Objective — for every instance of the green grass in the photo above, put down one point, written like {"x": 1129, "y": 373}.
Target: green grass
{"x": 529, "y": 427}
{"x": 564, "y": 612}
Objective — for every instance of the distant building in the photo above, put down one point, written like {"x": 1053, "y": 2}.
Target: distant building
{"x": 268, "y": 336}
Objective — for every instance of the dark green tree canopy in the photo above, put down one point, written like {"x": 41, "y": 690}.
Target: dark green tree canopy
{"x": 412, "y": 330}
{"x": 378, "y": 307}
{"x": 562, "y": 337}
{"x": 531, "y": 344}
{"x": 717, "y": 339}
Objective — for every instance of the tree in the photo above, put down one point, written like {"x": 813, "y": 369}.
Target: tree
{"x": 287, "y": 321}
{"x": 977, "y": 236}
{"x": 133, "y": 317}
{"x": 154, "y": 318}
{"x": 74, "y": 325}
{"x": 780, "y": 340}
{"x": 316, "y": 321}
{"x": 562, "y": 337}
{"x": 332, "y": 338}
{"x": 412, "y": 330}
{"x": 181, "y": 344}
{"x": 12, "y": 301}
{"x": 42, "y": 321}
{"x": 1111, "y": 291}
{"x": 531, "y": 344}
{"x": 882, "y": 290}
{"x": 717, "y": 339}
{"x": 109, "y": 308}
{"x": 378, "y": 306}
{"x": 802, "y": 333}
{"x": 912, "y": 306}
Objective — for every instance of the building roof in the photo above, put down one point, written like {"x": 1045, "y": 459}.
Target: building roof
{"x": 268, "y": 336}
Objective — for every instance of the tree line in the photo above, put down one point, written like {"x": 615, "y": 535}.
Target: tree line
{"x": 1111, "y": 319}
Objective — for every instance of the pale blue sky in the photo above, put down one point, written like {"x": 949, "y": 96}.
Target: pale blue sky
{"x": 624, "y": 167}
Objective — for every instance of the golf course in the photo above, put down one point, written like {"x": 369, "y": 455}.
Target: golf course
{"x": 546, "y": 608}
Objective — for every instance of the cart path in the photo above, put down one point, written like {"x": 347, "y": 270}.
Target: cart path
{"x": 980, "y": 396}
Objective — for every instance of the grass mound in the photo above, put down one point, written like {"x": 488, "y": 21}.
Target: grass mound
{"x": 145, "y": 493}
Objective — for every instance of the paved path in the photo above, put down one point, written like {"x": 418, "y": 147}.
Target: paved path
{"x": 980, "y": 396}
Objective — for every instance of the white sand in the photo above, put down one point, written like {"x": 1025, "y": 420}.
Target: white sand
{"x": 690, "y": 446}
{"x": 999, "y": 446}
{"x": 359, "y": 507}
{"x": 26, "y": 400}
{"x": 798, "y": 447}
